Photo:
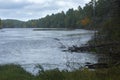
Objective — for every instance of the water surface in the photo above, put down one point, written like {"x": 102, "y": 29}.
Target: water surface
{"x": 29, "y": 48}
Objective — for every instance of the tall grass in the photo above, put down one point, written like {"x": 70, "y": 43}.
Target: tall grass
{"x": 15, "y": 72}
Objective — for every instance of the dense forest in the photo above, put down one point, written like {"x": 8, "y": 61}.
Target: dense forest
{"x": 92, "y": 13}
{"x": 9, "y": 23}
{"x": 109, "y": 31}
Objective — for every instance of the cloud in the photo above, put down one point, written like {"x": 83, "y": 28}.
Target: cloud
{"x": 30, "y": 9}
{"x": 11, "y": 4}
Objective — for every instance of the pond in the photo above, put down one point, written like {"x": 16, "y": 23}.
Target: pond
{"x": 29, "y": 47}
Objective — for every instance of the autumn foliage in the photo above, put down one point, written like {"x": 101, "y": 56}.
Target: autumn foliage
{"x": 85, "y": 21}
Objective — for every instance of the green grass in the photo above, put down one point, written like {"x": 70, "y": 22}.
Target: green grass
{"x": 15, "y": 72}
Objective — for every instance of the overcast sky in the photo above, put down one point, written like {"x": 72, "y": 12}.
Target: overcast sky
{"x": 34, "y": 9}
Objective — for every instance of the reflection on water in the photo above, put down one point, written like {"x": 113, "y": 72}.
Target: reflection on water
{"x": 30, "y": 48}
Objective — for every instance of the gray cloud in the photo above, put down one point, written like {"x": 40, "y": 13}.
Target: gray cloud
{"x": 13, "y": 5}
{"x": 30, "y": 9}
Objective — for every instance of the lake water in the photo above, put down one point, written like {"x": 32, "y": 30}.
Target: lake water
{"x": 30, "y": 48}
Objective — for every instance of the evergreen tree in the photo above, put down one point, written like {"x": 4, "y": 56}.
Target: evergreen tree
{"x": 0, "y": 23}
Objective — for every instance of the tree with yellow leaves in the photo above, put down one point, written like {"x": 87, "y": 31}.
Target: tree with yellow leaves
{"x": 85, "y": 21}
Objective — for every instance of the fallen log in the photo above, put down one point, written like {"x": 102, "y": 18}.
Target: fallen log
{"x": 97, "y": 65}
{"x": 91, "y": 47}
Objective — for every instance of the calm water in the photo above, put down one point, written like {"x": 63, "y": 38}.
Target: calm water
{"x": 30, "y": 48}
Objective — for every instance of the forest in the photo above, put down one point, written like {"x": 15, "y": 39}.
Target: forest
{"x": 91, "y": 16}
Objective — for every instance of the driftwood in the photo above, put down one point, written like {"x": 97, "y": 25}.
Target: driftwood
{"x": 101, "y": 65}
{"x": 97, "y": 66}
{"x": 90, "y": 47}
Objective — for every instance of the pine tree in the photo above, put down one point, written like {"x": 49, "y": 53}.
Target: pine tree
{"x": 0, "y": 23}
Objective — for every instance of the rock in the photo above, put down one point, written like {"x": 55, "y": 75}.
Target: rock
{"x": 88, "y": 63}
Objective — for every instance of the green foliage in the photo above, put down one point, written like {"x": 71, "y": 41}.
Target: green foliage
{"x": 109, "y": 28}
{"x": 51, "y": 75}
{"x": 15, "y": 72}
{"x": 9, "y": 23}
{"x": 97, "y": 14}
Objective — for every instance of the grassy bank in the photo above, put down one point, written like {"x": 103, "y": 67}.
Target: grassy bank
{"x": 15, "y": 72}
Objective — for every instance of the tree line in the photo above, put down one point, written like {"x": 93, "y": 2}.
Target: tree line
{"x": 102, "y": 15}
{"x": 74, "y": 18}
